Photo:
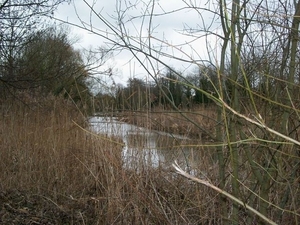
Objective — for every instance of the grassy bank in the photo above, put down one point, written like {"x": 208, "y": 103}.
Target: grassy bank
{"x": 53, "y": 171}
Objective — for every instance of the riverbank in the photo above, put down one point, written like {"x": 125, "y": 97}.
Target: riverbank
{"x": 55, "y": 171}
{"x": 199, "y": 123}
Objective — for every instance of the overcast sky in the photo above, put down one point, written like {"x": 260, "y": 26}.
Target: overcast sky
{"x": 171, "y": 17}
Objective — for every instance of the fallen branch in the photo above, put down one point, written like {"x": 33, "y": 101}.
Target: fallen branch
{"x": 208, "y": 184}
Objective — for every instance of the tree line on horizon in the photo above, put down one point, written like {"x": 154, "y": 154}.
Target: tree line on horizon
{"x": 42, "y": 59}
{"x": 166, "y": 92}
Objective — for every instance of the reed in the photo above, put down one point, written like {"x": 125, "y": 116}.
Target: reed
{"x": 200, "y": 122}
{"x": 54, "y": 170}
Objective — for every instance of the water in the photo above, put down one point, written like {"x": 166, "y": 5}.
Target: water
{"x": 144, "y": 147}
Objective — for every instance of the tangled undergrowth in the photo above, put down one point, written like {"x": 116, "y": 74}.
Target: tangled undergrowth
{"x": 54, "y": 171}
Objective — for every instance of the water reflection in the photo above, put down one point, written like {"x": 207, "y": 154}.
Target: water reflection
{"x": 143, "y": 147}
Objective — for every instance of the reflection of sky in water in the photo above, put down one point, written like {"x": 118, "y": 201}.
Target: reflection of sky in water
{"x": 142, "y": 146}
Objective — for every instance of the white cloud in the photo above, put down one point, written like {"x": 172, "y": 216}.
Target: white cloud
{"x": 166, "y": 30}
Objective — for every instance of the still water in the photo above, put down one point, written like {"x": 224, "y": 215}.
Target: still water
{"x": 144, "y": 147}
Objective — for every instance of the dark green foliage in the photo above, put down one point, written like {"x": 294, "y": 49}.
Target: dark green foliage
{"x": 19, "y": 20}
{"x": 49, "y": 64}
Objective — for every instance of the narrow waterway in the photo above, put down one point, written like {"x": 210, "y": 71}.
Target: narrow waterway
{"x": 143, "y": 147}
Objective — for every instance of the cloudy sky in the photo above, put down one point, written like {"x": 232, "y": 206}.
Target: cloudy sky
{"x": 170, "y": 19}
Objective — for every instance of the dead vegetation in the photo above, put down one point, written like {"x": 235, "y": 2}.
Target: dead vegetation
{"x": 54, "y": 171}
{"x": 198, "y": 123}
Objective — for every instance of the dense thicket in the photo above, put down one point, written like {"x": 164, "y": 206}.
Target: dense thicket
{"x": 252, "y": 80}
{"x": 38, "y": 56}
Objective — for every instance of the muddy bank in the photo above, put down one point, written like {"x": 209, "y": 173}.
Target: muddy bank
{"x": 19, "y": 207}
{"x": 198, "y": 124}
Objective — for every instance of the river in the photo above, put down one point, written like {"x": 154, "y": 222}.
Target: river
{"x": 147, "y": 148}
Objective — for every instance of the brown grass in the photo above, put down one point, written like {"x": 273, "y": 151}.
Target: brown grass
{"x": 199, "y": 122}
{"x": 273, "y": 190}
{"x": 53, "y": 171}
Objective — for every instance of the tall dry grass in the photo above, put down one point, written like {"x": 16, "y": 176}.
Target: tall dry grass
{"x": 54, "y": 171}
{"x": 44, "y": 149}
{"x": 268, "y": 167}
{"x": 197, "y": 123}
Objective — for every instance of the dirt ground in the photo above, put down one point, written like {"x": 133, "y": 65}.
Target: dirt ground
{"x": 20, "y": 208}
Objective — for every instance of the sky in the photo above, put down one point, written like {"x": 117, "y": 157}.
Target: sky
{"x": 170, "y": 18}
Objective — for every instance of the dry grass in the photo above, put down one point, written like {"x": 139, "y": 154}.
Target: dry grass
{"x": 197, "y": 123}
{"x": 268, "y": 172}
{"x": 55, "y": 172}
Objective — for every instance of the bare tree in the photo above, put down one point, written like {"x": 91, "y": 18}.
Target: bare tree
{"x": 258, "y": 149}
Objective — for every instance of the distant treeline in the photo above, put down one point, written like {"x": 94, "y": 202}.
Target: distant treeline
{"x": 168, "y": 91}
{"x": 171, "y": 90}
